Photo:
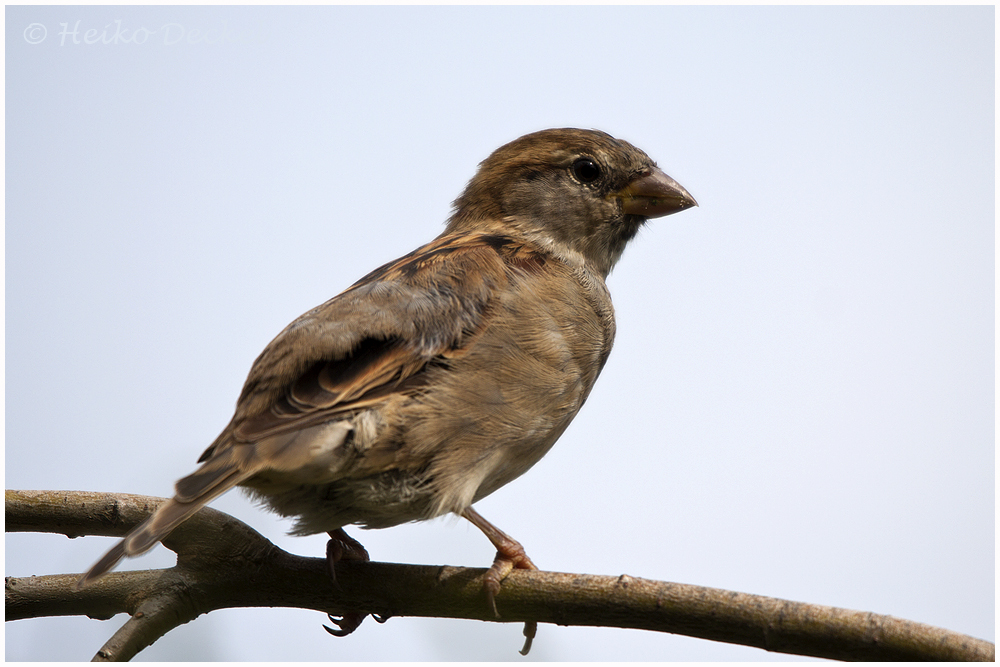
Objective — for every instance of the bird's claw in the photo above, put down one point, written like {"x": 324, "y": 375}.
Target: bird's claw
{"x": 530, "y": 628}
{"x": 343, "y": 547}
{"x": 346, "y": 624}
{"x": 494, "y": 576}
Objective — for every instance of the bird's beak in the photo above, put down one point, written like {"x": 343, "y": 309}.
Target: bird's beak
{"x": 654, "y": 194}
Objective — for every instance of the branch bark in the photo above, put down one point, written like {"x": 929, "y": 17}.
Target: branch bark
{"x": 224, "y": 563}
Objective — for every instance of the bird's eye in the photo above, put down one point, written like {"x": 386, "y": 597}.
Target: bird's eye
{"x": 586, "y": 170}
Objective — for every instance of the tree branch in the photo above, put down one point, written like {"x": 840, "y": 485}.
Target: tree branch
{"x": 224, "y": 563}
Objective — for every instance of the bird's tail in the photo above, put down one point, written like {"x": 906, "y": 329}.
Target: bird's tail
{"x": 193, "y": 492}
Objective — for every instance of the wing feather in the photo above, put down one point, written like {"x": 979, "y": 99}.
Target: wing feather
{"x": 375, "y": 338}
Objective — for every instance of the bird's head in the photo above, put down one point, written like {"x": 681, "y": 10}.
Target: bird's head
{"x": 582, "y": 194}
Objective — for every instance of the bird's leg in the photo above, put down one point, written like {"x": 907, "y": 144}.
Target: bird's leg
{"x": 510, "y": 557}
{"x": 343, "y": 547}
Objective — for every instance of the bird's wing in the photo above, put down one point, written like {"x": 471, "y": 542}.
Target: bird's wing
{"x": 376, "y": 337}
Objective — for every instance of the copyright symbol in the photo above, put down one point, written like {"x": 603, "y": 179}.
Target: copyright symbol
{"x": 35, "y": 33}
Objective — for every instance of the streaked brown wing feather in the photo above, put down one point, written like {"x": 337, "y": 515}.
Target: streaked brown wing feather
{"x": 335, "y": 387}
{"x": 376, "y": 337}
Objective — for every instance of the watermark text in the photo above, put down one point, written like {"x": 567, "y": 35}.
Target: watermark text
{"x": 119, "y": 33}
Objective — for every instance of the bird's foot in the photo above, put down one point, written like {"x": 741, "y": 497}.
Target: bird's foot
{"x": 506, "y": 562}
{"x": 344, "y": 547}
{"x": 510, "y": 556}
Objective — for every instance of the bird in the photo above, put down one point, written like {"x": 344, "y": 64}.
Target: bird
{"x": 441, "y": 376}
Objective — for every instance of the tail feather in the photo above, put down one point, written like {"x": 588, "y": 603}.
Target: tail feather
{"x": 208, "y": 481}
{"x": 194, "y": 492}
{"x": 101, "y": 567}
{"x": 174, "y": 512}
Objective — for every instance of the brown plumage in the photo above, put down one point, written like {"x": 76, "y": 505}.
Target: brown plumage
{"x": 441, "y": 376}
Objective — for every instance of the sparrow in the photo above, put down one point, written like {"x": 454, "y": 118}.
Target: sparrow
{"x": 439, "y": 377}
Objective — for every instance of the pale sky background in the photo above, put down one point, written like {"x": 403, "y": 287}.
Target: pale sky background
{"x": 800, "y": 402}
